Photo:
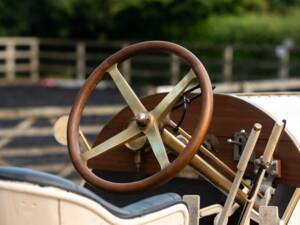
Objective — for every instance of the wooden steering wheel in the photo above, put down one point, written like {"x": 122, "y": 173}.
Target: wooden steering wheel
{"x": 144, "y": 123}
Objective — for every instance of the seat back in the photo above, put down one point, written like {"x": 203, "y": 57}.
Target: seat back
{"x": 24, "y": 203}
{"x": 32, "y": 203}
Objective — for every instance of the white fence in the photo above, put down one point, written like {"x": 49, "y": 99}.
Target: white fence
{"x": 24, "y": 49}
{"x": 35, "y": 59}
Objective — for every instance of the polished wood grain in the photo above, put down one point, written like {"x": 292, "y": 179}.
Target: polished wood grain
{"x": 230, "y": 115}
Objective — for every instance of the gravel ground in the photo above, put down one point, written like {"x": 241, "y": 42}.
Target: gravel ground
{"x": 27, "y": 96}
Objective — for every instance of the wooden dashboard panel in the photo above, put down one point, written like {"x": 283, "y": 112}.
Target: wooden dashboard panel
{"x": 230, "y": 115}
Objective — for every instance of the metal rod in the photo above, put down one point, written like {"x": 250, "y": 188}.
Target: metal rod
{"x": 211, "y": 156}
{"x": 241, "y": 168}
{"x": 209, "y": 173}
{"x": 84, "y": 140}
{"x": 266, "y": 161}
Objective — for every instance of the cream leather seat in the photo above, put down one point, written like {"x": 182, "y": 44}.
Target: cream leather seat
{"x": 34, "y": 198}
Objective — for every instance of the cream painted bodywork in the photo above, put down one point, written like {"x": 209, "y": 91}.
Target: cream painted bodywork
{"x": 280, "y": 106}
{"x": 24, "y": 203}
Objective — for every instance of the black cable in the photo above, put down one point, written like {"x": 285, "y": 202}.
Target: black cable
{"x": 185, "y": 101}
{"x": 180, "y": 104}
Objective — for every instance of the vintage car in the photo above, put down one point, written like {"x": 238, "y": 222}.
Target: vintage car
{"x": 186, "y": 156}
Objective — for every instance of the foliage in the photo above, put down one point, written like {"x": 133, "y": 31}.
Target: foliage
{"x": 213, "y": 20}
{"x": 250, "y": 28}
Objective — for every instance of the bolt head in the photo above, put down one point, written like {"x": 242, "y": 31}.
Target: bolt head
{"x": 142, "y": 119}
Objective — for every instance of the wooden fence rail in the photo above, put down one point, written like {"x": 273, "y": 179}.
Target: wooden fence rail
{"x": 37, "y": 59}
{"x": 32, "y": 151}
{"x": 25, "y": 49}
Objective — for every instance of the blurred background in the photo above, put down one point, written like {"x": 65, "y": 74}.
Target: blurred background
{"x": 49, "y": 47}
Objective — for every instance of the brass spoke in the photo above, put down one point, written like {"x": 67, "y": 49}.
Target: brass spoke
{"x": 128, "y": 94}
{"x": 124, "y": 136}
{"x": 158, "y": 148}
{"x": 166, "y": 104}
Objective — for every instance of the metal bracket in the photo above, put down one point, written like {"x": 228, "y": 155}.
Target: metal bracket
{"x": 268, "y": 215}
{"x": 239, "y": 141}
{"x": 211, "y": 143}
{"x": 193, "y": 202}
{"x": 273, "y": 170}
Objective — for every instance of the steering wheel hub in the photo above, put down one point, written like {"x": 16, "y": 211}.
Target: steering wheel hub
{"x": 142, "y": 119}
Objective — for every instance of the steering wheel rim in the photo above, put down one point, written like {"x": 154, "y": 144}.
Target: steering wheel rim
{"x": 183, "y": 159}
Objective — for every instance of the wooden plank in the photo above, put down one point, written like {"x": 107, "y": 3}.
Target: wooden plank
{"x": 175, "y": 69}
{"x": 20, "y": 54}
{"x": 18, "y": 40}
{"x": 58, "y": 55}
{"x": 34, "y": 60}
{"x": 126, "y": 70}
{"x": 228, "y": 63}
{"x": 46, "y": 112}
{"x": 22, "y": 67}
{"x": 72, "y": 42}
{"x": 49, "y": 167}
{"x": 25, "y": 124}
{"x": 260, "y": 85}
{"x": 32, "y": 151}
{"x": 80, "y": 61}
{"x": 10, "y": 60}
{"x": 3, "y": 69}
{"x": 7, "y": 139}
{"x": 126, "y": 67}
{"x": 250, "y": 86}
{"x": 42, "y": 132}
{"x": 2, "y": 54}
